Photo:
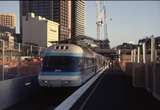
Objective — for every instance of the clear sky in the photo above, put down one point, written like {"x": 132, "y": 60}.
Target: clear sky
{"x": 131, "y": 20}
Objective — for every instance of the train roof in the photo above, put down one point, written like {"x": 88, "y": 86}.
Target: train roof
{"x": 65, "y": 47}
{"x": 88, "y": 52}
{"x": 69, "y": 49}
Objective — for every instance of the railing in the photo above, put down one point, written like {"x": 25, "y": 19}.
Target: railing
{"x": 18, "y": 59}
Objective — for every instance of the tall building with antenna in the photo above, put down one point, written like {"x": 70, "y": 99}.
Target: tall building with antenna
{"x": 102, "y": 35}
{"x": 101, "y": 20}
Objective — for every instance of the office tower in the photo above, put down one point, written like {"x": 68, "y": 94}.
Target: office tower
{"x": 78, "y": 18}
{"x": 39, "y": 30}
{"x": 58, "y": 11}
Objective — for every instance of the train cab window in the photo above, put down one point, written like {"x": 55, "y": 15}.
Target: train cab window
{"x": 62, "y": 47}
{"x": 65, "y": 63}
{"x": 66, "y": 47}
{"x": 57, "y": 47}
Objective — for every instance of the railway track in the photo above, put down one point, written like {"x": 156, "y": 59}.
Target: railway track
{"x": 54, "y": 98}
{"x": 45, "y": 99}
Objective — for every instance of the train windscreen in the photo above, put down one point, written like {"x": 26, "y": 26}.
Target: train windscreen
{"x": 60, "y": 63}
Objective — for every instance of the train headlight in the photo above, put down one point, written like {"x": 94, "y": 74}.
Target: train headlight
{"x": 66, "y": 82}
{"x": 45, "y": 81}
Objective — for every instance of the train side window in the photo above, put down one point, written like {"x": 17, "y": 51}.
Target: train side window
{"x": 81, "y": 62}
{"x": 84, "y": 62}
{"x": 93, "y": 60}
{"x": 89, "y": 61}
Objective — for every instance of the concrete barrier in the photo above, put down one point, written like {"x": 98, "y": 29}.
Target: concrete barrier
{"x": 156, "y": 83}
{"x": 146, "y": 76}
{"x": 138, "y": 75}
{"x": 129, "y": 69}
{"x": 15, "y": 90}
{"x": 149, "y": 76}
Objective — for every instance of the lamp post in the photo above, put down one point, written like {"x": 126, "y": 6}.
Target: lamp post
{"x": 138, "y": 55}
{"x": 144, "y": 52}
{"x": 2, "y": 58}
{"x": 119, "y": 53}
{"x": 132, "y": 56}
{"x": 152, "y": 49}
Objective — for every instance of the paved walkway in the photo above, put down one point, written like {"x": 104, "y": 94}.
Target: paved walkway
{"x": 115, "y": 92}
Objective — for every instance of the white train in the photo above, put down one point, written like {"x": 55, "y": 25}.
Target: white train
{"x": 69, "y": 65}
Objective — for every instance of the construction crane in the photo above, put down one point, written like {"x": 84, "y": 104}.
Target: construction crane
{"x": 101, "y": 20}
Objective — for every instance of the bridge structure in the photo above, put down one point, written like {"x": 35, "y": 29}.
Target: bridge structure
{"x": 105, "y": 52}
{"x": 130, "y": 81}
{"x": 127, "y": 83}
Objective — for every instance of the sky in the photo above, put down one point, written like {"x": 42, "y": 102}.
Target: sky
{"x": 126, "y": 20}
{"x": 131, "y": 20}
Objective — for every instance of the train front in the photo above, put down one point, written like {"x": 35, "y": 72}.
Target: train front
{"x": 61, "y": 66}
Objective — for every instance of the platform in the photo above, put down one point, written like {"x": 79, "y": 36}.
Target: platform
{"x": 115, "y": 92}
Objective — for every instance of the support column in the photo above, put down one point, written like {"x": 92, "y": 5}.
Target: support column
{"x": 119, "y": 53}
{"x": 134, "y": 56}
{"x": 152, "y": 49}
{"x": 138, "y": 55}
{"x": 19, "y": 47}
{"x": 39, "y": 51}
{"x": 19, "y": 58}
{"x": 155, "y": 55}
{"x": 144, "y": 52}
{"x": 31, "y": 50}
{"x": 131, "y": 55}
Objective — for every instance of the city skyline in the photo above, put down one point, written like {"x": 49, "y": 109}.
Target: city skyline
{"x": 127, "y": 20}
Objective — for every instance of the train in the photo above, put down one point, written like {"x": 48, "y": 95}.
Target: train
{"x": 69, "y": 65}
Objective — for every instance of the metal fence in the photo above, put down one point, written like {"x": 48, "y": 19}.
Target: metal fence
{"x": 18, "y": 59}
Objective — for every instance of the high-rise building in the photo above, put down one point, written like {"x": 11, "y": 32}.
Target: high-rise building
{"x": 78, "y": 18}
{"x": 7, "y": 22}
{"x": 61, "y": 14}
{"x": 58, "y": 11}
{"x": 69, "y": 14}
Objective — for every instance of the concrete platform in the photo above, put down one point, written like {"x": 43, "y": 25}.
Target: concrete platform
{"x": 115, "y": 92}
